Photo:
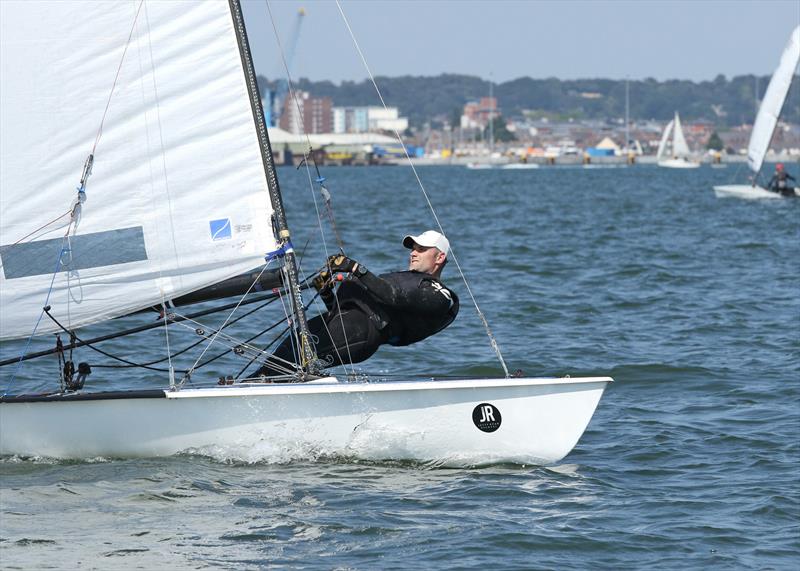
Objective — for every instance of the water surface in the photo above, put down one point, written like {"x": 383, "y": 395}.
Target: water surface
{"x": 690, "y": 302}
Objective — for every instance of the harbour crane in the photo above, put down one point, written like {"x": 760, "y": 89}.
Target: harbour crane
{"x": 278, "y": 96}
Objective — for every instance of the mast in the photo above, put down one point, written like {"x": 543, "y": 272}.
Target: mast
{"x": 491, "y": 116}
{"x": 308, "y": 357}
{"x": 627, "y": 115}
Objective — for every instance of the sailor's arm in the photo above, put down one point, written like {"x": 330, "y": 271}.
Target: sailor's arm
{"x": 381, "y": 289}
{"x": 428, "y": 297}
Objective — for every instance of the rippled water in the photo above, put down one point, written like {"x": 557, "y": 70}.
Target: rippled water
{"x": 690, "y": 302}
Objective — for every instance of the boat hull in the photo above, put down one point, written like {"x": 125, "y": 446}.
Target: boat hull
{"x": 748, "y": 192}
{"x": 539, "y": 421}
{"x": 678, "y": 164}
{"x": 520, "y": 166}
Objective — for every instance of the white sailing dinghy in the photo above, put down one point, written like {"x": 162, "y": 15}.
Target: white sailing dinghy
{"x": 679, "y": 155}
{"x": 764, "y": 127}
{"x": 503, "y": 166}
{"x": 179, "y": 193}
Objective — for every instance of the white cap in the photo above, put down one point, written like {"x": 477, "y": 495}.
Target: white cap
{"x": 429, "y": 238}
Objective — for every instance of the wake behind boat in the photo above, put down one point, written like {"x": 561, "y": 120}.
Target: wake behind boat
{"x": 178, "y": 194}
{"x": 764, "y": 127}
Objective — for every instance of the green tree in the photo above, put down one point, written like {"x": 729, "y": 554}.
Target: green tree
{"x": 715, "y": 143}
{"x": 501, "y": 132}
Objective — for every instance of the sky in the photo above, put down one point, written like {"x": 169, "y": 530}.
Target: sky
{"x": 503, "y": 39}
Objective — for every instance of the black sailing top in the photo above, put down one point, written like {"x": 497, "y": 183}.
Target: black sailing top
{"x": 405, "y": 307}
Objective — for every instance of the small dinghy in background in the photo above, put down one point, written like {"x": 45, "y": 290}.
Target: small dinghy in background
{"x": 764, "y": 127}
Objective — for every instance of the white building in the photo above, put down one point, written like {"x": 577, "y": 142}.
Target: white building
{"x": 367, "y": 119}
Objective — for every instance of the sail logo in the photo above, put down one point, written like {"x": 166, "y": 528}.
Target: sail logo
{"x": 486, "y": 417}
{"x": 220, "y": 229}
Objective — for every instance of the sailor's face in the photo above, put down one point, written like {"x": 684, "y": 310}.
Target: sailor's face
{"x": 424, "y": 258}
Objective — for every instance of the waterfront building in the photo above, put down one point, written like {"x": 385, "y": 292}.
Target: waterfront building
{"x": 476, "y": 113}
{"x": 368, "y": 120}
{"x": 306, "y": 114}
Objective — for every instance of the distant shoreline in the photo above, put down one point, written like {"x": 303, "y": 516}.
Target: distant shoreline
{"x": 573, "y": 160}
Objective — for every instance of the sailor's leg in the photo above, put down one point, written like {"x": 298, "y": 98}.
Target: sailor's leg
{"x": 283, "y": 358}
{"x": 348, "y": 337}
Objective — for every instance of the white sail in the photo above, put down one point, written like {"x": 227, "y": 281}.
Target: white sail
{"x": 662, "y": 145}
{"x": 772, "y": 104}
{"x": 680, "y": 149}
{"x": 177, "y": 198}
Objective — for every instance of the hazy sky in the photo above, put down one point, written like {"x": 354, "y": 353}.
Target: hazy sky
{"x": 503, "y": 39}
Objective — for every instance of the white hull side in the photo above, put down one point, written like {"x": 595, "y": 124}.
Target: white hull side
{"x": 746, "y": 191}
{"x": 678, "y": 164}
{"x": 541, "y": 421}
{"x": 520, "y": 166}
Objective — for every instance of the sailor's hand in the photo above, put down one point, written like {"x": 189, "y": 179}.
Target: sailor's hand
{"x": 341, "y": 263}
{"x": 323, "y": 281}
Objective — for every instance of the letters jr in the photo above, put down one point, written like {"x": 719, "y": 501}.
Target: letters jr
{"x": 488, "y": 414}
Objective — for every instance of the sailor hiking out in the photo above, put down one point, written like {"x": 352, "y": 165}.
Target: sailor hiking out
{"x": 367, "y": 311}
{"x": 780, "y": 181}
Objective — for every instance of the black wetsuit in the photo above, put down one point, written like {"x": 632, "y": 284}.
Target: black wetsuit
{"x": 780, "y": 183}
{"x": 398, "y": 308}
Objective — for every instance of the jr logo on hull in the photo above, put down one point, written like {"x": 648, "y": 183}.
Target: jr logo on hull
{"x": 486, "y": 417}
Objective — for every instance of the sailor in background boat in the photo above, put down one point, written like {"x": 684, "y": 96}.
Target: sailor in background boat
{"x": 780, "y": 181}
{"x": 367, "y": 311}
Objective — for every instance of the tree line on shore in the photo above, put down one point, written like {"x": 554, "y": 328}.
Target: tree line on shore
{"x": 724, "y": 102}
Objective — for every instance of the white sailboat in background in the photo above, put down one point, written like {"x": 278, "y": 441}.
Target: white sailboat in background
{"x": 765, "y": 123}
{"x": 679, "y": 155}
{"x": 179, "y": 193}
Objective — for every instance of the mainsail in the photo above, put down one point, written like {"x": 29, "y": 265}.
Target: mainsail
{"x": 177, "y": 199}
{"x": 772, "y": 104}
{"x": 680, "y": 149}
{"x": 662, "y": 145}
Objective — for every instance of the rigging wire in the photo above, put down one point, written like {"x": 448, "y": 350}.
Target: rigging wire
{"x": 167, "y": 194}
{"x": 234, "y": 343}
{"x": 264, "y": 350}
{"x": 326, "y": 195}
{"x": 294, "y": 334}
{"x": 116, "y": 77}
{"x": 271, "y": 343}
{"x": 321, "y": 180}
{"x": 269, "y": 259}
{"x": 211, "y": 341}
{"x": 481, "y": 316}
{"x": 46, "y": 310}
{"x": 139, "y": 329}
{"x": 43, "y": 226}
{"x": 196, "y": 343}
{"x": 61, "y": 253}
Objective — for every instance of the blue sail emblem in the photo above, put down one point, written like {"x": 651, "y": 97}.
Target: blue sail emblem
{"x": 220, "y": 229}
